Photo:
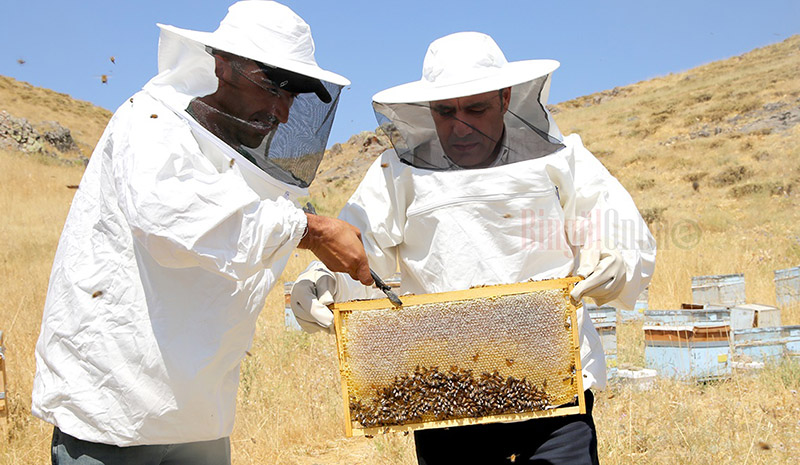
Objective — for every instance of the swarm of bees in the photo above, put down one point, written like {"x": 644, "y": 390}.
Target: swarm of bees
{"x": 429, "y": 394}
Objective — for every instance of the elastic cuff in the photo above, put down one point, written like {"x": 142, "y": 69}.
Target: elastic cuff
{"x": 300, "y": 228}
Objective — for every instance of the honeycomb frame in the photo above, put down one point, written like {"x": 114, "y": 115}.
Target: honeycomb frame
{"x": 569, "y": 340}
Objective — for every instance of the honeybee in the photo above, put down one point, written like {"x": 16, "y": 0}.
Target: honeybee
{"x": 97, "y": 294}
{"x": 384, "y": 165}
{"x": 104, "y": 78}
{"x": 507, "y": 215}
{"x": 231, "y": 163}
{"x": 475, "y": 357}
{"x": 154, "y": 116}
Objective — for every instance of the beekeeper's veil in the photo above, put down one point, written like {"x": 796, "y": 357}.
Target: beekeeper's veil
{"x": 460, "y": 65}
{"x": 274, "y": 51}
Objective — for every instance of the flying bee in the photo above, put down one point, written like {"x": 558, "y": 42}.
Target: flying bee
{"x": 104, "y": 78}
{"x": 97, "y": 294}
{"x": 507, "y": 215}
{"x": 384, "y": 165}
{"x": 231, "y": 163}
{"x": 512, "y": 458}
{"x": 113, "y": 60}
{"x": 21, "y": 61}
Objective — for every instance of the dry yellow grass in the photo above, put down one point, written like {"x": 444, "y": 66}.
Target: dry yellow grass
{"x": 34, "y": 201}
{"x": 289, "y": 398}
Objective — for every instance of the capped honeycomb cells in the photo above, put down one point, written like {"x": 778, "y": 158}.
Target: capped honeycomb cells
{"x": 435, "y": 361}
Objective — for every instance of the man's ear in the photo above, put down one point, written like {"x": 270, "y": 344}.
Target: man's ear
{"x": 222, "y": 68}
{"x": 505, "y": 98}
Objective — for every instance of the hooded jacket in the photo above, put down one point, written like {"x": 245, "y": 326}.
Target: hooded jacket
{"x": 169, "y": 250}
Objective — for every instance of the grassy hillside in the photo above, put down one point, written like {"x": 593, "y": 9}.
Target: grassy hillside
{"x": 84, "y": 120}
{"x": 710, "y": 157}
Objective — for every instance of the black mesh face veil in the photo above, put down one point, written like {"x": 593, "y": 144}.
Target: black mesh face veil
{"x": 277, "y": 119}
{"x": 293, "y": 152}
{"x": 527, "y": 132}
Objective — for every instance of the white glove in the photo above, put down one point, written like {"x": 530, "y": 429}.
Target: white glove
{"x": 604, "y": 271}
{"x": 311, "y": 293}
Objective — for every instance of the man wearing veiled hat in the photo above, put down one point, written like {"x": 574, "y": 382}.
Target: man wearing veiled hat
{"x": 184, "y": 220}
{"x": 481, "y": 188}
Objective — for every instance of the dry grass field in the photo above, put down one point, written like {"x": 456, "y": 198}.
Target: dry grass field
{"x": 711, "y": 157}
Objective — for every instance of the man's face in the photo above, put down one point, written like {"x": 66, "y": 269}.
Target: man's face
{"x": 470, "y": 128}
{"x": 256, "y": 106}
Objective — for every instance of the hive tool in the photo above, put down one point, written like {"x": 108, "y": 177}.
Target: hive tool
{"x": 379, "y": 283}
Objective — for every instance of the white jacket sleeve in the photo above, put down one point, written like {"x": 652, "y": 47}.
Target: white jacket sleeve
{"x": 377, "y": 208}
{"x": 183, "y": 211}
{"x": 602, "y": 213}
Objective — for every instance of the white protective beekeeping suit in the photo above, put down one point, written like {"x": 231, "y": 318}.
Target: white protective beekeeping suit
{"x": 174, "y": 240}
{"x": 544, "y": 206}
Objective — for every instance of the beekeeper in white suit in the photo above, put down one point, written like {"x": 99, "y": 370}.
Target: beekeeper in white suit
{"x": 481, "y": 188}
{"x": 183, "y": 222}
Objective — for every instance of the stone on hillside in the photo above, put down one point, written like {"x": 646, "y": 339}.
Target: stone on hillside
{"x": 336, "y": 149}
{"x": 58, "y": 136}
{"x": 18, "y": 134}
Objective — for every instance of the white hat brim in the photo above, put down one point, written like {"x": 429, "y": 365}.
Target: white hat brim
{"x": 511, "y": 74}
{"x": 247, "y": 51}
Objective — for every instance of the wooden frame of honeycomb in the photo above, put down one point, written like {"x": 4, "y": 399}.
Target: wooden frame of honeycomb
{"x": 491, "y": 375}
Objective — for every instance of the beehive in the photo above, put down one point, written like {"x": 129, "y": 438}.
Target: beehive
{"x": 483, "y": 355}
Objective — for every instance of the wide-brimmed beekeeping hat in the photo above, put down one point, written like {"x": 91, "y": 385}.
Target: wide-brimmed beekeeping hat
{"x": 461, "y": 64}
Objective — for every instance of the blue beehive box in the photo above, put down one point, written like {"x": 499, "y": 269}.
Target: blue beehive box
{"x": 723, "y": 290}
{"x": 791, "y": 338}
{"x": 708, "y": 314}
{"x": 699, "y": 350}
{"x": 759, "y": 344}
{"x": 787, "y": 287}
{"x": 765, "y": 344}
{"x": 604, "y": 319}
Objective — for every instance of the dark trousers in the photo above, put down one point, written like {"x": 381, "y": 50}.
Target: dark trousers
{"x": 69, "y": 450}
{"x": 564, "y": 440}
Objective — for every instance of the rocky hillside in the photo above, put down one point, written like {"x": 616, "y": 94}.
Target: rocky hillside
{"x": 40, "y": 121}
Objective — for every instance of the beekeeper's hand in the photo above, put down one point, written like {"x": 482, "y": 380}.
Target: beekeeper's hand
{"x": 338, "y": 245}
{"x": 311, "y": 293}
{"x": 604, "y": 270}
